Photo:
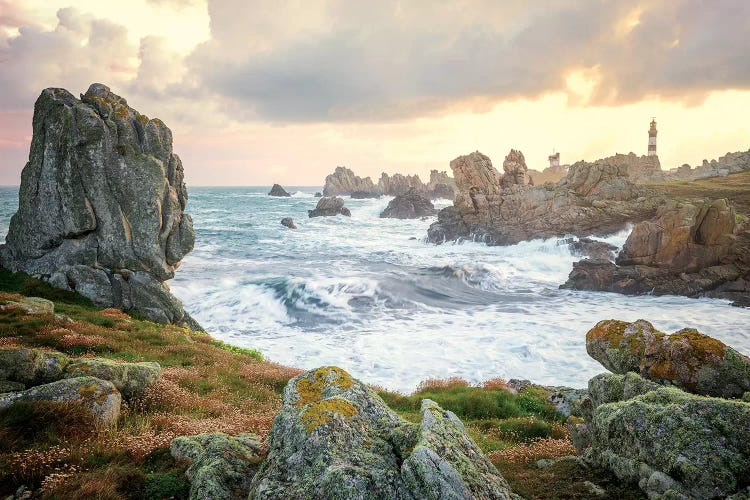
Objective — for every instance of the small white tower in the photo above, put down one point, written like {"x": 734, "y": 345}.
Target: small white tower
{"x": 652, "y": 138}
{"x": 554, "y": 160}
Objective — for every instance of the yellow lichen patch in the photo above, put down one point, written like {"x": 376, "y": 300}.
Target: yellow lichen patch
{"x": 323, "y": 412}
{"x": 91, "y": 392}
{"x": 703, "y": 346}
{"x": 663, "y": 370}
{"x": 609, "y": 330}
{"x": 310, "y": 388}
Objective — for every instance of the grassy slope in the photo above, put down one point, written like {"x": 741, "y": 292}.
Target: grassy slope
{"x": 208, "y": 386}
{"x": 735, "y": 187}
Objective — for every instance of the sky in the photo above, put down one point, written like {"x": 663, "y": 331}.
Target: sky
{"x": 265, "y": 91}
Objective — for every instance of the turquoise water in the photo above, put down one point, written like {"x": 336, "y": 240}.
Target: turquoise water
{"x": 369, "y": 295}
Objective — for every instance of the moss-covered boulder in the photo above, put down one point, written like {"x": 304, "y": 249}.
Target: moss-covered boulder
{"x": 31, "y": 366}
{"x": 31, "y": 305}
{"x": 100, "y": 396}
{"x": 131, "y": 379}
{"x": 334, "y": 438}
{"x": 221, "y": 466}
{"x": 688, "y": 359}
{"x": 672, "y": 443}
{"x": 8, "y": 386}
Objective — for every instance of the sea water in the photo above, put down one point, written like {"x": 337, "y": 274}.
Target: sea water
{"x": 371, "y": 296}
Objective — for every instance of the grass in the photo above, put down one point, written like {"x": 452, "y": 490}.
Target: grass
{"x": 210, "y": 386}
{"x": 735, "y": 187}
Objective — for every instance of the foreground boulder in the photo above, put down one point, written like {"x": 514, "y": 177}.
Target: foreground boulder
{"x": 31, "y": 366}
{"x": 277, "y": 190}
{"x": 593, "y": 198}
{"x": 101, "y": 204}
{"x": 288, "y": 222}
{"x": 692, "y": 248}
{"x": 688, "y": 359}
{"x": 671, "y": 443}
{"x": 221, "y": 466}
{"x": 99, "y": 396}
{"x": 329, "y": 207}
{"x": 410, "y": 205}
{"x": 334, "y": 438}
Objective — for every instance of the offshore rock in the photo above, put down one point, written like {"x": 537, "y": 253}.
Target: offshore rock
{"x": 288, "y": 222}
{"x": 363, "y": 195}
{"x": 99, "y": 396}
{"x": 329, "y": 207}
{"x": 693, "y": 248}
{"x": 101, "y": 201}
{"x": 399, "y": 184}
{"x": 343, "y": 182}
{"x": 277, "y": 190}
{"x": 593, "y": 198}
{"x": 410, "y": 205}
{"x": 334, "y": 438}
{"x": 687, "y": 359}
{"x": 221, "y": 466}
{"x": 671, "y": 443}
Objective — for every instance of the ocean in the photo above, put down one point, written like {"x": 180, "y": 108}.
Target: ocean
{"x": 369, "y": 295}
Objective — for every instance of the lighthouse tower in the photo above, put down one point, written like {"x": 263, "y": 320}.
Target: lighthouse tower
{"x": 652, "y": 138}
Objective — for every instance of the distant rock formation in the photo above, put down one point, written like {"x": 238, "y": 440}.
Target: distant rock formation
{"x": 277, "y": 190}
{"x": 344, "y": 182}
{"x": 730, "y": 163}
{"x": 593, "y": 198}
{"x": 101, "y": 204}
{"x": 288, "y": 222}
{"x": 399, "y": 184}
{"x": 692, "y": 248}
{"x": 329, "y": 207}
{"x": 410, "y": 205}
{"x": 363, "y": 195}
{"x": 318, "y": 194}
{"x": 516, "y": 171}
{"x": 334, "y": 434}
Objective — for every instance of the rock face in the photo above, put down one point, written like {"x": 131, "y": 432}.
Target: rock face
{"x": 594, "y": 198}
{"x": 343, "y": 182}
{"x": 516, "y": 171}
{"x": 693, "y": 248}
{"x": 288, "y": 222}
{"x": 277, "y": 190}
{"x": 334, "y": 438}
{"x": 410, "y": 205}
{"x": 671, "y": 443}
{"x": 687, "y": 359}
{"x": 221, "y": 466}
{"x": 98, "y": 395}
{"x": 329, "y": 206}
{"x": 101, "y": 204}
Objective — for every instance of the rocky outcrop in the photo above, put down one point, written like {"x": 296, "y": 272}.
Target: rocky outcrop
{"x": 692, "y": 248}
{"x": 552, "y": 175}
{"x": 671, "y": 443}
{"x": 328, "y": 207}
{"x": 592, "y": 249}
{"x": 99, "y": 396}
{"x": 34, "y": 367}
{"x": 594, "y": 198}
{"x": 221, "y": 466}
{"x": 288, "y": 222}
{"x": 515, "y": 171}
{"x": 399, "y": 184}
{"x": 410, "y": 205}
{"x": 335, "y": 438}
{"x": 30, "y": 305}
{"x": 687, "y": 359}
{"x": 442, "y": 191}
{"x": 730, "y": 163}
{"x": 343, "y": 182}
{"x": 318, "y": 194}
{"x": 101, "y": 204}
{"x": 277, "y": 190}
{"x": 363, "y": 195}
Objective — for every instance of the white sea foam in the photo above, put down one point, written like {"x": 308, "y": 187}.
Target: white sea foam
{"x": 360, "y": 293}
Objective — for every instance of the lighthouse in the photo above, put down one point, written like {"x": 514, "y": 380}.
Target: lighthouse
{"x": 554, "y": 160}
{"x": 652, "y": 138}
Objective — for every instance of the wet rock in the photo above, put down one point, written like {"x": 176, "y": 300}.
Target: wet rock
{"x": 593, "y": 249}
{"x": 31, "y": 305}
{"x": 410, "y": 205}
{"x": 328, "y": 207}
{"x": 277, "y": 190}
{"x": 288, "y": 222}
{"x": 102, "y": 191}
{"x": 335, "y": 438}
{"x": 671, "y": 443}
{"x": 688, "y": 359}
{"x": 131, "y": 379}
{"x": 318, "y": 194}
{"x": 221, "y": 466}
{"x": 31, "y": 366}
{"x": 100, "y": 396}
{"x": 363, "y": 195}
{"x": 344, "y": 182}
